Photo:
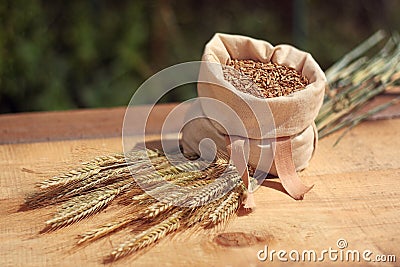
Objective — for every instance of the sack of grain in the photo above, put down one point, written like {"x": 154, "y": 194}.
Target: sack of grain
{"x": 269, "y": 99}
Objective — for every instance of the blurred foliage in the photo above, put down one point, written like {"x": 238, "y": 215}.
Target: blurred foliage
{"x": 75, "y": 54}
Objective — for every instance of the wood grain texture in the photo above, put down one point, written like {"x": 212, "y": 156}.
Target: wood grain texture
{"x": 107, "y": 122}
{"x": 76, "y": 124}
{"x": 356, "y": 197}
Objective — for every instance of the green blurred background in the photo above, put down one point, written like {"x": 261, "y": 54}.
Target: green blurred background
{"x": 57, "y": 55}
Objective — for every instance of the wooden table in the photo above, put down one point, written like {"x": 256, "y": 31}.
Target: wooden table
{"x": 356, "y": 197}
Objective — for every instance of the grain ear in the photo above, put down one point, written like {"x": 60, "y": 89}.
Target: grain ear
{"x": 87, "y": 195}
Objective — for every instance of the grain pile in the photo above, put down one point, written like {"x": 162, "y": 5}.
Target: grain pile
{"x": 263, "y": 80}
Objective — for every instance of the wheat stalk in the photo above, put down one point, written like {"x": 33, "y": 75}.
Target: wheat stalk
{"x": 168, "y": 202}
{"x": 78, "y": 201}
{"x": 87, "y": 194}
{"x": 106, "y": 160}
{"x": 148, "y": 237}
{"x": 188, "y": 177}
{"x": 226, "y": 208}
{"x": 106, "y": 229}
{"x": 154, "y": 183}
{"x": 199, "y": 214}
{"x": 53, "y": 195}
{"x": 171, "y": 199}
{"x": 88, "y": 181}
{"x": 149, "y": 180}
{"x": 98, "y": 201}
{"x": 95, "y": 180}
{"x": 97, "y": 165}
{"x": 73, "y": 175}
{"x": 213, "y": 190}
{"x": 160, "y": 189}
{"x": 355, "y": 80}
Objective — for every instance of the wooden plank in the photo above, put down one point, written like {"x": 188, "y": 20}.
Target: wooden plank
{"x": 76, "y": 124}
{"x": 103, "y": 123}
{"x": 356, "y": 197}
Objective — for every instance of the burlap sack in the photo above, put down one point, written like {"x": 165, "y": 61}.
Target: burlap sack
{"x": 280, "y": 135}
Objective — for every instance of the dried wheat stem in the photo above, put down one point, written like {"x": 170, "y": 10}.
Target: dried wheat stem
{"x": 102, "y": 199}
{"x": 132, "y": 156}
{"x": 180, "y": 179}
{"x": 213, "y": 190}
{"x": 58, "y": 194}
{"x": 71, "y": 176}
{"x": 97, "y": 165}
{"x": 106, "y": 160}
{"x": 77, "y": 202}
{"x": 163, "y": 173}
{"x": 199, "y": 214}
{"x": 95, "y": 180}
{"x": 225, "y": 209}
{"x": 36, "y": 200}
{"x": 172, "y": 198}
{"x": 106, "y": 229}
{"x": 148, "y": 237}
{"x": 111, "y": 227}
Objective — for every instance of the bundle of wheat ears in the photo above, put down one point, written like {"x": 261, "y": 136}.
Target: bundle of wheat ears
{"x": 86, "y": 191}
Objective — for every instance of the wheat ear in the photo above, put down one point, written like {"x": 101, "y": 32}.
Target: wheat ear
{"x": 225, "y": 209}
{"x": 106, "y": 229}
{"x": 172, "y": 199}
{"x": 165, "y": 172}
{"x": 60, "y": 194}
{"x": 99, "y": 201}
{"x": 159, "y": 189}
{"x": 148, "y": 237}
{"x": 184, "y": 178}
{"x": 98, "y": 179}
{"x": 81, "y": 200}
{"x": 199, "y": 214}
{"x": 132, "y": 156}
{"x": 213, "y": 190}
{"x": 71, "y": 176}
{"x": 93, "y": 167}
